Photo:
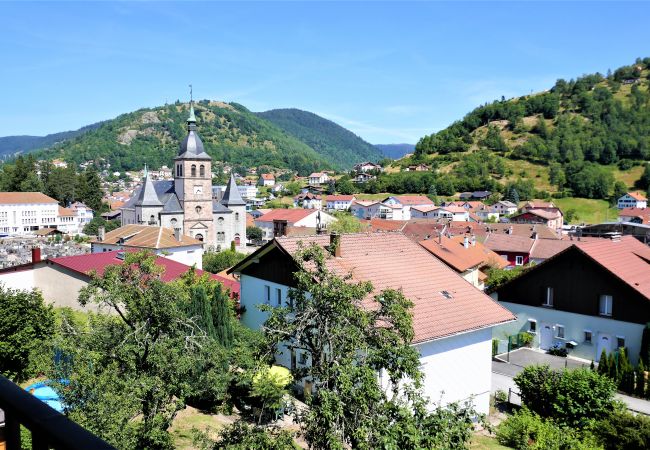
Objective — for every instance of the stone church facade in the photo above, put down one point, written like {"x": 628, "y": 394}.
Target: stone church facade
{"x": 185, "y": 203}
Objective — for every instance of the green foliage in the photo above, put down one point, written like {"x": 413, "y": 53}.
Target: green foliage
{"x": 216, "y": 262}
{"x": 345, "y": 223}
{"x": 498, "y": 277}
{"x": 626, "y": 373}
{"x": 241, "y": 436}
{"x": 350, "y": 407}
{"x": 570, "y": 397}
{"x": 254, "y": 233}
{"x": 526, "y": 430}
{"x": 622, "y": 430}
{"x": 25, "y": 323}
{"x": 270, "y": 386}
{"x": 525, "y": 339}
{"x": 345, "y": 186}
{"x": 92, "y": 227}
{"x": 223, "y": 321}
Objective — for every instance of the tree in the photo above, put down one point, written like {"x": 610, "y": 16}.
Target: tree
{"x": 345, "y": 186}
{"x": 603, "y": 363}
{"x": 222, "y": 318}
{"x": 640, "y": 386}
{"x": 92, "y": 227}
{"x": 241, "y": 436}
{"x": 620, "y": 189}
{"x": 32, "y": 183}
{"x": 513, "y": 195}
{"x": 254, "y": 234}
{"x": 25, "y": 323}
{"x": 626, "y": 372}
{"x": 128, "y": 372}
{"x": 345, "y": 223}
{"x": 644, "y": 181}
{"x": 216, "y": 262}
{"x": 200, "y": 309}
{"x": 92, "y": 194}
{"x": 269, "y": 386}
{"x": 327, "y": 321}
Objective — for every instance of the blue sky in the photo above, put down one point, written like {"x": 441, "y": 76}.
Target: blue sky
{"x": 390, "y": 72}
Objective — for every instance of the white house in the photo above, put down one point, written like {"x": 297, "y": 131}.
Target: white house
{"x": 365, "y": 167}
{"x": 455, "y": 213}
{"x": 339, "y": 202}
{"x": 504, "y": 207}
{"x": 405, "y": 203}
{"x": 593, "y": 296}
{"x": 266, "y": 179}
{"x": 423, "y": 212}
{"x": 161, "y": 241}
{"x": 310, "y": 201}
{"x": 632, "y": 200}
{"x": 454, "y": 345}
{"x": 280, "y": 222}
{"x": 82, "y": 214}
{"x": 364, "y": 209}
{"x": 317, "y": 178}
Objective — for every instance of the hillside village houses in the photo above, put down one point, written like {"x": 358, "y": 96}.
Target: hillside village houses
{"x": 540, "y": 212}
{"x": 632, "y": 200}
{"x": 185, "y": 203}
{"x": 307, "y": 200}
{"x": 284, "y": 222}
{"x": 367, "y": 167}
{"x": 23, "y": 213}
{"x": 452, "y": 319}
{"x": 396, "y": 207}
{"x": 318, "y": 178}
{"x": 635, "y": 215}
{"x": 339, "y": 202}
{"x": 266, "y": 179}
{"x": 504, "y": 207}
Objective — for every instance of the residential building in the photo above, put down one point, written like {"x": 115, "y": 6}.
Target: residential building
{"x": 339, "y": 202}
{"x": 519, "y": 250}
{"x": 61, "y": 279}
{"x": 266, "y": 179}
{"x": 469, "y": 258}
{"x": 423, "y": 212}
{"x": 318, "y": 178}
{"x": 283, "y": 222}
{"x": 405, "y": 203}
{"x": 363, "y": 177}
{"x": 186, "y": 202}
{"x": 476, "y": 195}
{"x": 25, "y": 212}
{"x": 452, "y": 320}
{"x": 308, "y": 200}
{"x": 540, "y": 212}
{"x": 363, "y": 209}
{"x": 504, "y": 207}
{"x": 632, "y": 200}
{"x": 454, "y": 213}
{"x": 83, "y": 215}
{"x": 635, "y": 215}
{"x": 159, "y": 240}
{"x": 594, "y": 295}
{"x": 365, "y": 167}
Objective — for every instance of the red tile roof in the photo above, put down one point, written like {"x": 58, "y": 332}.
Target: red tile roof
{"x": 85, "y": 264}
{"x": 17, "y": 198}
{"x": 508, "y": 243}
{"x": 424, "y": 208}
{"x": 268, "y": 176}
{"x": 382, "y": 225}
{"x": 339, "y": 198}
{"x": 290, "y": 215}
{"x": 546, "y": 248}
{"x": 637, "y": 196}
{"x": 453, "y": 252}
{"x": 391, "y": 260}
{"x": 413, "y": 199}
{"x": 641, "y": 213}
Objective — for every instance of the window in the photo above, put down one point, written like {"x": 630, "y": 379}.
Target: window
{"x": 519, "y": 260}
{"x": 532, "y": 325}
{"x": 267, "y": 294}
{"x": 179, "y": 170}
{"x": 559, "y": 331}
{"x": 620, "y": 341}
{"x": 193, "y": 170}
{"x": 202, "y": 170}
{"x": 221, "y": 236}
{"x": 198, "y": 209}
{"x": 236, "y": 216}
{"x": 588, "y": 336}
{"x": 220, "y": 221}
{"x": 173, "y": 222}
{"x": 548, "y": 298}
{"x": 303, "y": 358}
{"x": 605, "y": 305}
{"x": 199, "y": 237}
{"x": 278, "y": 296}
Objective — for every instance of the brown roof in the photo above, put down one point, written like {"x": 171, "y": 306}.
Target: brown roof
{"x": 250, "y": 220}
{"x": 475, "y": 204}
{"x": 508, "y": 243}
{"x": 637, "y": 196}
{"x": 146, "y": 236}
{"x": 374, "y": 225}
{"x": 518, "y": 229}
{"x": 453, "y": 253}
{"x": 453, "y": 209}
{"x": 548, "y": 215}
{"x": 545, "y": 248}
{"x": 425, "y": 208}
{"x": 340, "y": 198}
{"x": 641, "y": 213}
{"x": 391, "y": 260}
{"x": 290, "y": 215}
{"x": 15, "y": 198}
{"x": 268, "y": 176}
{"x": 539, "y": 204}
{"x": 413, "y": 199}
{"x": 65, "y": 212}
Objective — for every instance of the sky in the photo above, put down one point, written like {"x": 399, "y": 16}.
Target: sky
{"x": 391, "y": 72}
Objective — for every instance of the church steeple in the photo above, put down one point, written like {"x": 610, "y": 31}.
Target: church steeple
{"x": 192, "y": 146}
{"x": 232, "y": 197}
{"x": 147, "y": 195}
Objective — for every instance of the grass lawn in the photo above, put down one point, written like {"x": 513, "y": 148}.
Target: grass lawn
{"x": 537, "y": 173}
{"x": 629, "y": 177}
{"x": 480, "y": 442}
{"x": 182, "y": 429}
{"x": 588, "y": 210}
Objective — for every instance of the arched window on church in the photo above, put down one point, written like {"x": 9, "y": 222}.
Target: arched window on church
{"x": 152, "y": 220}
{"x": 198, "y": 209}
{"x": 202, "y": 170}
{"x": 193, "y": 170}
{"x": 199, "y": 237}
{"x": 237, "y": 240}
{"x": 236, "y": 216}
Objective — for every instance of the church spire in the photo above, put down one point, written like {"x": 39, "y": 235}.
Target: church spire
{"x": 191, "y": 121}
{"x": 147, "y": 195}
{"x": 232, "y": 197}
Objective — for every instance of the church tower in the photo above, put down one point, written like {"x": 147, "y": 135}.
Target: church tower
{"x": 193, "y": 184}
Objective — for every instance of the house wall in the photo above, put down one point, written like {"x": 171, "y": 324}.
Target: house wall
{"x": 459, "y": 368}
{"x": 574, "y": 330}
{"x": 471, "y": 276}
{"x": 189, "y": 255}
{"x": 20, "y": 279}
{"x": 18, "y": 219}
{"x": 511, "y": 257}
{"x": 252, "y": 294}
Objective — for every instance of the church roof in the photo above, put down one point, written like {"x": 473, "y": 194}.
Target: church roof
{"x": 192, "y": 146}
{"x": 219, "y": 208}
{"x": 172, "y": 205}
{"x": 147, "y": 195}
{"x": 232, "y": 197}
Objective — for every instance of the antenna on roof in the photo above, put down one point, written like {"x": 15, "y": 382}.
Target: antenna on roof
{"x": 191, "y": 95}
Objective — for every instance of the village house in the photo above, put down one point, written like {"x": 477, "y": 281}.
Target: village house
{"x": 593, "y": 296}
{"x": 504, "y": 207}
{"x": 454, "y": 213}
{"x": 632, "y": 200}
{"x": 476, "y": 195}
{"x": 318, "y": 178}
{"x": 308, "y": 200}
{"x": 367, "y": 167}
{"x": 402, "y": 204}
{"x": 339, "y": 202}
{"x": 423, "y": 212}
{"x": 283, "y": 222}
{"x": 635, "y": 215}
{"x": 452, "y": 319}
{"x": 364, "y": 209}
{"x": 266, "y": 179}
{"x": 161, "y": 241}
{"x": 363, "y": 177}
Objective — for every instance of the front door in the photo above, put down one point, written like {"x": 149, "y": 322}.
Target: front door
{"x": 546, "y": 336}
{"x": 604, "y": 342}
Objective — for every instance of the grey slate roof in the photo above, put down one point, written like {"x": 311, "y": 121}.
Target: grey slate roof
{"x": 232, "y": 197}
{"x": 172, "y": 205}
{"x": 192, "y": 146}
{"x": 219, "y": 208}
{"x": 147, "y": 195}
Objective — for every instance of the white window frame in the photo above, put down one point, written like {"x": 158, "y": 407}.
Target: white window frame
{"x": 607, "y": 311}
{"x": 559, "y": 326}
{"x": 617, "y": 339}
{"x": 519, "y": 260}
{"x": 591, "y": 336}
{"x": 530, "y": 322}
{"x": 548, "y": 299}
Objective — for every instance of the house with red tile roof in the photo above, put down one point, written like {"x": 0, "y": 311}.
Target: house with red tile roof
{"x": 452, "y": 319}
{"x": 266, "y": 179}
{"x": 592, "y": 296}
{"x": 632, "y": 200}
{"x": 402, "y": 204}
{"x": 61, "y": 279}
{"x": 339, "y": 202}
{"x": 278, "y": 222}
{"x": 635, "y": 215}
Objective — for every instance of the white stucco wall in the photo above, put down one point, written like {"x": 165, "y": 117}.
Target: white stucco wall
{"x": 23, "y": 279}
{"x": 574, "y": 330}
{"x": 189, "y": 255}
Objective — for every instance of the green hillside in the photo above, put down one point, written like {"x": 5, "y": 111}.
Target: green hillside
{"x": 229, "y": 131}
{"x": 578, "y": 139}
{"x": 337, "y": 144}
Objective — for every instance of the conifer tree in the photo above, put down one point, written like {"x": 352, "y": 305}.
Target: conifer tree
{"x": 613, "y": 367}
{"x": 603, "y": 364}
{"x": 625, "y": 372}
{"x": 222, "y": 318}
{"x": 201, "y": 310}
{"x": 640, "y": 379}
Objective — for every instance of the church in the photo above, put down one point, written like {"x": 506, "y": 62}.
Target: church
{"x": 185, "y": 204}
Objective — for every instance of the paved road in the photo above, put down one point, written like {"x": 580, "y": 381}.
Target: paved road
{"x": 502, "y": 380}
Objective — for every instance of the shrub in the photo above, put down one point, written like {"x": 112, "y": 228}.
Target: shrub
{"x": 558, "y": 350}
{"x": 500, "y": 397}
{"x": 215, "y": 262}
{"x": 525, "y": 339}
{"x": 495, "y": 346}
{"x": 240, "y": 436}
{"x": 624, "y": 431}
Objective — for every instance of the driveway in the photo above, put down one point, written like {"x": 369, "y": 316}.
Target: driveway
{"x": 504, "y": 372}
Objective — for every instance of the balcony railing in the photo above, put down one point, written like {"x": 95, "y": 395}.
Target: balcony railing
{"x": 48, "y": 427}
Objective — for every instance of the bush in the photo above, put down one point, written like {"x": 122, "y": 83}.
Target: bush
{"x": 623, "y": 431}
{"x": 558, "y": 350}
{"x": 215, "y": 262}
{"x": 525, "y": 339}
{"x": 240, "y": 436}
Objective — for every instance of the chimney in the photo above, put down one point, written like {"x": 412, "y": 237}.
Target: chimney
{"x": 510, "y": 229}
{"x": 36, "y": 254}
{"x": 101, "y": 234}
{"x": 466, "y": 242}
{"x": 335, "y": 244}
{"x": 177, "y": 234}
{"x": 473, "y": 240}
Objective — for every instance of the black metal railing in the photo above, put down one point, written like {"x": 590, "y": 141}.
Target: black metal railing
{"x": 48, "y": 427}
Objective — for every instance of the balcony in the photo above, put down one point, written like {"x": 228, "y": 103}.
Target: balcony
{"x": 49, "y": 428}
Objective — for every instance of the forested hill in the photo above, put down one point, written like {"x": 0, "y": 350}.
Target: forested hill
{"x": 578, "y": 129}
{"x": 395, "y": 151}
{"x": 336, "y": 143}
{"x": 12, "y": 145}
